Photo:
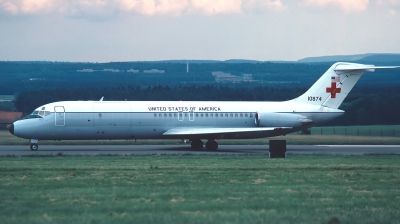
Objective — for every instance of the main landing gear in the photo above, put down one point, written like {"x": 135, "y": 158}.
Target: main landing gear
{"x": 210, "y": 144}
{"x": 196, "y": 144}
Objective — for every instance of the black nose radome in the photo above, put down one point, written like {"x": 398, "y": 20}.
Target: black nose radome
{"x": 11, "y": 129}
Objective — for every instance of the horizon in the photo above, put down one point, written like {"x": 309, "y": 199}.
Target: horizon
{"x": 224, "y": 60}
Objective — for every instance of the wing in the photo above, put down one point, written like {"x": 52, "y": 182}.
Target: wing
{"x": 224, "y": 132}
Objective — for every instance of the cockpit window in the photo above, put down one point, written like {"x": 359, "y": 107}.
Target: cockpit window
{"x": 41, "y": 112}
{"x": 38, "y": 114}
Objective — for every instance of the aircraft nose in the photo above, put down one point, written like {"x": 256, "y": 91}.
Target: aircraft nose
{"x": 11, "y": 129}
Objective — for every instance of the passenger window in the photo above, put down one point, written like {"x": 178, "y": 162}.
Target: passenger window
{"x": 201, "y": 115}
{"x": 231, "y": 115}
{"x": 197, "y": 115}
{"x": 241, "y": 115}
{"x": 170, "y": 115}
{"x": 251, "y": 115}
{"x": 211, "y": 115}
{"x": 155, "y": 115}
{"x": 245, "y": 115}
{"x": 160, "y": 115}
{"x": 165, "y": 115}
{"x": 226, "y": 115}
{"x": 206, "y": 115}
{"x": 174, "y": 115}
{"x": 236, "y": 115}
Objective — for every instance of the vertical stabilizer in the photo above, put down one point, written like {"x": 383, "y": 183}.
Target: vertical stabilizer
{"x": 335, "y": 84}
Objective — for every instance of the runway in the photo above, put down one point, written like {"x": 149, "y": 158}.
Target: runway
{"x": 20, "y": 150}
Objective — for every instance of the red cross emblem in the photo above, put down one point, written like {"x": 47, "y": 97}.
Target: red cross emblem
{"x": 333, "y": 90}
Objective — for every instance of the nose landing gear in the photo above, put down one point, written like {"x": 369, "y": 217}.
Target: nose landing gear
{"x": 34, "y": 145}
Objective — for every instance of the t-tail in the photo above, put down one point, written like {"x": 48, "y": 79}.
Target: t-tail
{"x": 335, "y": 84}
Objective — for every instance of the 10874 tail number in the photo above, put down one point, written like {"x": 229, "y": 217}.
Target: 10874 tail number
{"x": 314, "y": 98}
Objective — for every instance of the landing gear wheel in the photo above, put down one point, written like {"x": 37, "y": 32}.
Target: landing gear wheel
{"x": 196, "y": 144}
{"x": 212, "y": 145}
{"x": 34, "y": 147}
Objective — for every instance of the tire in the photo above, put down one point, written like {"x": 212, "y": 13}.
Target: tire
{"x": 196, "y": 144}
{"x": 212, "y": 145}
{"x": 34, "y": 147}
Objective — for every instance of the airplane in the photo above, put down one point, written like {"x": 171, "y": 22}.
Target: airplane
{"x": 193, "y": 120}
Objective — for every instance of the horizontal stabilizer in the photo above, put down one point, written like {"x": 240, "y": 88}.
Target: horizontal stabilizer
{"x": 206, "y": 131}
{"x": 360, "y": 67}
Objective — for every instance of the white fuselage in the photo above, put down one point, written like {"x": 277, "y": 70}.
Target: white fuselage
{"x": 151, "y": 119}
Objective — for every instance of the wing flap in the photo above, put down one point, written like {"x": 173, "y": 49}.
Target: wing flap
{"x": 206, "y": 131}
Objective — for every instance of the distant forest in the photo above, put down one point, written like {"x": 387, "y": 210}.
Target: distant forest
{"x": 363, "y": 106}
{"x": 18, "y": 77}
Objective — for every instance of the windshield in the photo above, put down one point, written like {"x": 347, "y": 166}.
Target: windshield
{"x": 38, "y": 113}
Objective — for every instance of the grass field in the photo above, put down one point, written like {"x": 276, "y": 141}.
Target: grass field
{"x": 200, "y": 189}
{"x": 367, "y": 130}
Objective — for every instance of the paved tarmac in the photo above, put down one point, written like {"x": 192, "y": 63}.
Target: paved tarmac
{"x": 185, "y": 149}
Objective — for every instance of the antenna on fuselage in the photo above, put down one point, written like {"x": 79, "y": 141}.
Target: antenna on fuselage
{"x": 101, "y": 98}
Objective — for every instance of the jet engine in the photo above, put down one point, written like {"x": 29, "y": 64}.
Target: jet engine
{"x": 281, "y": 120}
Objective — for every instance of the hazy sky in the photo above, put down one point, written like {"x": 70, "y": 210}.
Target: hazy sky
{"x": 136, "y": 30}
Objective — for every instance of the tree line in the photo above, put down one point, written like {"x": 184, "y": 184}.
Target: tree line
{"x": 17, "y": 77}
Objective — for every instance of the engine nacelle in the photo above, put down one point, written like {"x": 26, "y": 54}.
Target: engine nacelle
{"x": 281, "y": 120}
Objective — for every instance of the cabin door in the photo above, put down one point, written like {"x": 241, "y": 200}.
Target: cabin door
{"x": 184, "y": 115}
{"x": 59, "y": 115}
